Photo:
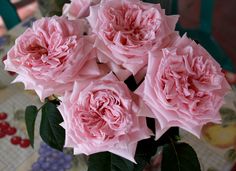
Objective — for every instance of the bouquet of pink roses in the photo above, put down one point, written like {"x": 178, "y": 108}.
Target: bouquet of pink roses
{"x": 114, "y": 76}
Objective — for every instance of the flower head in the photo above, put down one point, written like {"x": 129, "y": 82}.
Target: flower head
{"x": 52, "y": 54}
{"x": 128, "y": 29}
{"x": 184, "y": 87}
{"x": 101, "y": 116}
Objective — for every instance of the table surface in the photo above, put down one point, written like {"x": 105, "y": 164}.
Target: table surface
{"x": 215, "y": 149}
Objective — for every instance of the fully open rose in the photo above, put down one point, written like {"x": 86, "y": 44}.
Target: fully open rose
{"x": 52, "y": 54}
{"x": 128, "y": 29}
{"x": 184, "y": 87}
{"x": 101, "y": 116}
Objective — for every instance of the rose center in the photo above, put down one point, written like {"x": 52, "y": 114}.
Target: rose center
{"x": 105, "y": 115}
{"x": 132, "y": 25}
{"x": 38, "y": 50}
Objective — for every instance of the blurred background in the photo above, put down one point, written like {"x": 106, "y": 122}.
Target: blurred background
{"x": 211, "y": 23}
{"x": 25, "y": 9}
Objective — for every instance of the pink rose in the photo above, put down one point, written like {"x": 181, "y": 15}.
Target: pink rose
{"x": 128, "y": 29}
{"x": 78, "y": 8}
{"x": 101, "y": 116}
{"x": 52, "y": 54}
{"x": 184, "y": 87}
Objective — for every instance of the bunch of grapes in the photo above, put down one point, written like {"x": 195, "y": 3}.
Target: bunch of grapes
{"x": 52, "y": 160}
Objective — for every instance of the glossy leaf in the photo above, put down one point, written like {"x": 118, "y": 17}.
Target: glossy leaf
{"x": 30, "y": 117}
{"x": 107, "y": 161}
{"x": 179, "y": 157}
{"x": 50, "y": 130}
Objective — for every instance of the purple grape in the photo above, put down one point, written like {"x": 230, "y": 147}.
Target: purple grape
{"x": 47, "y": 153}
{"x": 35, "y": 167}
{"x": 45, "y": 165}
{"x": 61, "y": 161}
{"x": 47, "y": 148}
{"x": 54, "y": 150}
{"x": 61, "y": 169}
{"x": 61, "y": 155}
{"x": 41, "y": 151}
{"x": 41, "y": 160}
{"x": 68, "y": 157}
{"x": 54, "y": 167}
{"x": 40, "y": 169}
{"x": 54, "y": 154}
{"x": 43, "y": 145}
{"x": 51, "y": 160}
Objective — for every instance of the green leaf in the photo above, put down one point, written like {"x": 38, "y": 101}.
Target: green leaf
{"x": 179, "y": 157}
{"x": 50, "y": 130}
{"x": 145, "y": 150}
{"x": 30, "y": 117}
{"x": 107, "y": 161}
{"x": 148, "y": 147}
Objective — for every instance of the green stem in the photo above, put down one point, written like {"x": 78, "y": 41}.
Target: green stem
{"x": 41, "y": 107}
